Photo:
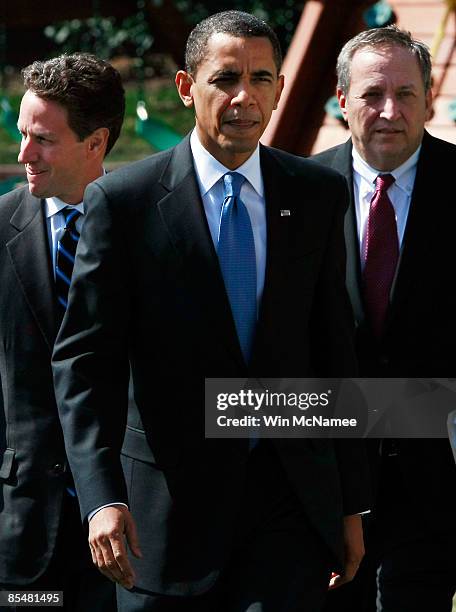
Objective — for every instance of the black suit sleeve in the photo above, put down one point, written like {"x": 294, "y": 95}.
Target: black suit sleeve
{"x": 90, "y": 357}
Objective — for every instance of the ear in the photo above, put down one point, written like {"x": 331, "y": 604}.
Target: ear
{"x": 342, "y": 98}
{"x": 280, "y": 85}
{"x": 184, "y": 82}
{"x": 429, "y": 101}
{"x": 97, "y": 142}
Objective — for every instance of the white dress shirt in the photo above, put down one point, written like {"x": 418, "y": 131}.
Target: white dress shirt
{"x": 400, "y": 194}
{"x": 209, "y": 173}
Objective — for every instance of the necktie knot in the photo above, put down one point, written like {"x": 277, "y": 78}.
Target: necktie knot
{"x": 383, "y": 182}
{"x": 232, "y": 183}
{"x": 71, "y": 215}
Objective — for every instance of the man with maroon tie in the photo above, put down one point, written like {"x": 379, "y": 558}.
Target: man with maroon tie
{"x": 400, "y": 244}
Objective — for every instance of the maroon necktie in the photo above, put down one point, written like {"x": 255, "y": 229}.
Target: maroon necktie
{"x": 381, "y": 253}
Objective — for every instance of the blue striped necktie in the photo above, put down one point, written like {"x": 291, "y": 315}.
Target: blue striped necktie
{"x": 236, "y": 252}
{"x": 66, "y": 251}
{"x": 64, "y": 263}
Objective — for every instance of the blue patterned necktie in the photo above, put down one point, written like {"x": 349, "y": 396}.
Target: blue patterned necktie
{"x": 236, "y": 252}
{"x": 66, "y": 251}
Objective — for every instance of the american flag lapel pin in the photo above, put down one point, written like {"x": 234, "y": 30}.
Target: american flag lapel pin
{"x": 285, "y": 213}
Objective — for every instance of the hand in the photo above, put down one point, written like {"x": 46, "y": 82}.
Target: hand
{"x": 354, "y": 550}
{"x": 108, "y": 530}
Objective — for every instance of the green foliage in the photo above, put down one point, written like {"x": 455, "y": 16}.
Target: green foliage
{"x": 282, "y": 15}
{"x": 103, "y": 36}
{"x": 162, "y": 102}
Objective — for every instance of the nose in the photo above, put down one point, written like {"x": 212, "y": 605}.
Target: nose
{"x": 27, "y": 153}
{"x": 390, "y": 109}
{"x": 243, "y": 96}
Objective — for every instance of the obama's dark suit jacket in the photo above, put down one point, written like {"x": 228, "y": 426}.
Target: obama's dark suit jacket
{"x": 147, "y": 285}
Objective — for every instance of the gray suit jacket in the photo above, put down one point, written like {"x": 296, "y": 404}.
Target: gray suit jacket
{"x": 32, "y": 457}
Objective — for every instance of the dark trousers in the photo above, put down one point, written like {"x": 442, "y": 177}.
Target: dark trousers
{"x": 410, "y": 566}
{"x": 71, "y": 570}
{"x": 278, "y": 562}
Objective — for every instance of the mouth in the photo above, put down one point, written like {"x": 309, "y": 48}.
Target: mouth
{"x": 388, "y": 131}
{"x": 31, "y": 172}
{"x": 242, "y": 124}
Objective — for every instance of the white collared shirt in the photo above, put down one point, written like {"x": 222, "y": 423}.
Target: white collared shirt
{"x": 400, "y": 194}
{"x": 55, "y": 222}
{"x": 209, "y": 173}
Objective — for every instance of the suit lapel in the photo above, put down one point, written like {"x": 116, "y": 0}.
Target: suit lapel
{"x": 418, "y": 228}
{"x": 183, "y": 213}
{"x": 276, "y": 237}
{"x": 283, "y": 247}
{"x": 343, "y": 162}
{"x": 276, "y": 185}
{"x": 29, "y": 254}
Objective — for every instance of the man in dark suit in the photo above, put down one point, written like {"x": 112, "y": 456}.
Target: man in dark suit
{"x": 400, "y": 246}
{"x": 211, "y": 524}
{"x": 70, "y": 117}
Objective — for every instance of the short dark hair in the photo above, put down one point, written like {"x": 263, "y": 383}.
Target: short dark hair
{"x": 390, "y": 36}
{"x": 234, "y": 23}
{"x": 89, "y": 89}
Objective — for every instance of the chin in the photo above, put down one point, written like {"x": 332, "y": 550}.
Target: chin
{"x": 37, "y": 192}
{"x": 241, "y": 146}
{"x": 389, "y": 161}
{"x": 34, "y": 191}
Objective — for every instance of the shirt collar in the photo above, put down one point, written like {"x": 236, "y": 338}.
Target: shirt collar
{"x": 209, "y": 170}
{"x": 404, "y": 175}
{"x": 55, "y": 205}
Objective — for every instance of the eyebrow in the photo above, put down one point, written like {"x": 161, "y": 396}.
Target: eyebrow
{"x": 230, "y": 73}
{"x": 38, "y": 132}
{"x": 380, "y": 86}
{"x": 263, "y": 73}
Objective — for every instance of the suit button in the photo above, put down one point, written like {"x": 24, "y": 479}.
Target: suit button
{"x": 57, "y": 469}
{"x": 384, "y": 360}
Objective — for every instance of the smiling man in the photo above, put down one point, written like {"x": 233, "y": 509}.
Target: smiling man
{"x": 219, "y": 257}
{"x": 400, "y": 242}
{"x": 54, "y": 159}
{"x": 70, "y": 117}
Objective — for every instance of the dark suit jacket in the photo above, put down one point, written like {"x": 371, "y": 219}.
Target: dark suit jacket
{"x": 32, "y": 458}
{"x": 420, "y": 336}
{"x": 147, "y": 282}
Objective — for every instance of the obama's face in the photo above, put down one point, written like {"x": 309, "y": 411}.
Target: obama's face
{"x": 234, "y": 91}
